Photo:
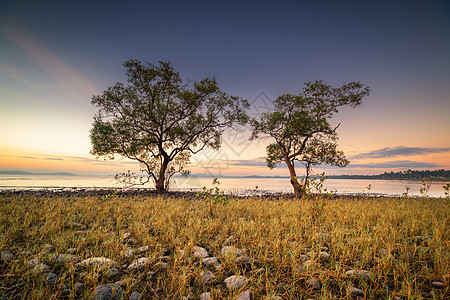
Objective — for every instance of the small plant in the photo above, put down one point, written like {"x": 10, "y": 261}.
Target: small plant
{"x": 109, "y": 195}
{"x": 426, "y": 184}
{"x": 446, "y": 190}
{"x": 213, "y": 196}
{"x": 369, "y": 188}
{"x": 405, "y": 194}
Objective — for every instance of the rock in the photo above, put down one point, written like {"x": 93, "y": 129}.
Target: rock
{"x": 126, "y": 235}
{"x": 67, "y": 259}
{"x": 142, "y": 249}
{"x": 200, "y": 252}
{"x": 132, "y": 241}
{"x": 308, "y": 265}
{"x": 361, "y": 274}
{"x": 437, "y": 284}
{"x": 108, "y": 292}
{"x": 160, "y": 266}
{"x": 320, "y": 255}
{"x": 40, "y": 268}
{"x": 355, "y": 292}
{"x": 101, "y": 262}
{"x": 49, "y": 278}
{"x": 314, "y": 283}
{"x": 72, "y": 251}
{"x": 135, "y": 296}
{"x": 164, "y": 258}
{"x": 231, "y": 239}
{"x": 48, "y": 248}
{"x": 211, "y": 261}
{"x": 64, "y": 294}
{"x": 205, "y": 296}
{"x": 111, "y": 272}
{"x": 77, "y": 226}
{"x": 235, "y": 282}
{"x": 139, "y": 263}
{"x": 245, "y": 295}
{"x": 79, "y": 288}
{"x": 242, "y": 259}
{"x": 324, "y": 237}
{"x": 128, "y": 252}
{"x": 230, "y": 250}
{"x": 6, "y": 256}
{"x": 204, "y": 277}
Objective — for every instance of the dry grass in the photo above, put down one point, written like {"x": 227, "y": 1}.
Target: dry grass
{"x": 378, "y": 235}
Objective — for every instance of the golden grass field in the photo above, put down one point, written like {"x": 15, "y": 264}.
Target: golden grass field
{"x": 402, "y": 243}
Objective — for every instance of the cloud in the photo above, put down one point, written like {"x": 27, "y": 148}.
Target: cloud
{"x": 394, "y": 164}
{"x": 69, "y": 80}
{"x": 400, "y": 151}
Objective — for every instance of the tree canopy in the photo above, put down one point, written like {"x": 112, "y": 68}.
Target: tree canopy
{"x": 300, "y": 126}
{"x": 159, "y": 120}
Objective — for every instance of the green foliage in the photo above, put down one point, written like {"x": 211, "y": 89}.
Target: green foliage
{"x": 213, "y": 196}
{"x": 159, "y": 120}
{"x": 301, "y": 129}
{"x": 110, "y": 195}
{"x": 426, "y": 185}
{"x": 405, "y": 194}
{"x": 446, "y": 190}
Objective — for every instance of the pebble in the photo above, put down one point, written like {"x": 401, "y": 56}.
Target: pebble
{"x": 235, "y": 282}
{"x": 6, "y": 256}
{"x": 242, "y": 259}
{"x": 108, "y": 292}
{"x": 321, "y": 255}
{"x": 437, "y": 284}
{"x": 314, "y": 283}
{"x": 245, "y": 295}
{"x": 40, "y": 268}
{"x": 72, "y": 251}
{"x": 48, "y": 247}
{"x": 200, "y": 252}
{"x": 79, "y": 288}
{"x": 211, "y": 261}
{"x": 101, "y": 262}
{"x": 204, "y": 277}
{"x": 127, "y": 252}
{"x": 49, "y": 278}
{"x": 231, "y": 250}
{"x": 111, "y": 272}
{"x": 142, "y": 249}
{"x": 67, "y": 259}
{"x": 160, "y": 266}
{"x": 355, "y": 292}
{"x": 139, "y": 263}
{"x": 205, "y": 296}
{"x": 361, "y": 274}
{"x": 135, "y": 296}
{"x": 231, "y": 239}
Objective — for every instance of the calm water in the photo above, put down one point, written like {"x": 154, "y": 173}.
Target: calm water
{"x": 234, "y": 185}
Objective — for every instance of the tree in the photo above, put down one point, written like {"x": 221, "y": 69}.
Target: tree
{"x": 159, "y": 120}
{"x": 300, "y": 127}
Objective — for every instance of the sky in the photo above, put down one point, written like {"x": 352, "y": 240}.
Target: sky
{"x": 54, "y": 55}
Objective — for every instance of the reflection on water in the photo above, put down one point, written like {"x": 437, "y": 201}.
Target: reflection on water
{"x": 234, "y": 185}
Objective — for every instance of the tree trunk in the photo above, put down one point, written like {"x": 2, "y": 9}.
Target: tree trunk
{"x": 160, "y": 183}
{"x": 298, "y": 189}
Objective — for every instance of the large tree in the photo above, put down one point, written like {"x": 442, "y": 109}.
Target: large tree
{"x": 159, "y": 120}
{"x": 301, "y": 129}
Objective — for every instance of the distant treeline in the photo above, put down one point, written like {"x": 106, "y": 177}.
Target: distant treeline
{"x": 409, "y": 174}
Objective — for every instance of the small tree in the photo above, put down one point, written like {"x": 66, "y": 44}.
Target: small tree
{"x": 160, "y": 121}
{"x": 300, "y": 127}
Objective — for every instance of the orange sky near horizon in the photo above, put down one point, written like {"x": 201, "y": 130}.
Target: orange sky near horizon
{"x": 51, "y": 64}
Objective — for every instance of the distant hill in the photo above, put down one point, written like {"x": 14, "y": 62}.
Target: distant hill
{"x": 29, "y": 173}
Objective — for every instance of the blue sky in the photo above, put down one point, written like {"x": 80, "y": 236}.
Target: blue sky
{"x": 54, "y": 55}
